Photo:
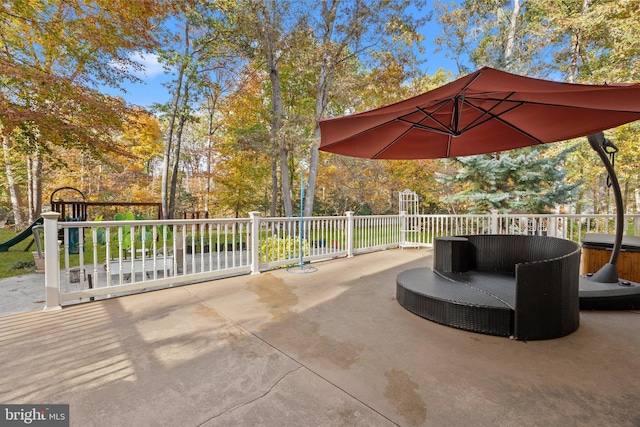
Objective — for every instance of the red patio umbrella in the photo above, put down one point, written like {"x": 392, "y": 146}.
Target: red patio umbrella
{"x": 488, "y": 111}
{"x": 483, "y": 112}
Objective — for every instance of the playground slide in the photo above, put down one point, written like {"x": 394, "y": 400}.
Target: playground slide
{"x": 4, "y": 246}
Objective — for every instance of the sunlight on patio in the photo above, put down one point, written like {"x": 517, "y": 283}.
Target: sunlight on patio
{"x": 78, "y": 348}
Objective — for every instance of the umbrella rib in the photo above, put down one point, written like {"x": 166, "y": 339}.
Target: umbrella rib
{"x": 402, "y": 119}
{"x": 498, "y": 118}
{"x": 499, "y": 102}
{"x": 425, "y": 127}
{"x": 386, "y": 147}
{"x": 446, "y": 130}
{"x": 429, "y": 115}
{"x": 547, "y": 104}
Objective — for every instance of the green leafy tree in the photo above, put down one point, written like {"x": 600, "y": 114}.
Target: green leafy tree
{"x": 53, "y": 56}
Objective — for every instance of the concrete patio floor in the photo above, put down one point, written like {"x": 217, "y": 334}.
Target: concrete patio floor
{"x": 329, "y": 348}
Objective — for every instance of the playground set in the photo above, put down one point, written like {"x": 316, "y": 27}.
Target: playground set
{"x": 72, "y": 205}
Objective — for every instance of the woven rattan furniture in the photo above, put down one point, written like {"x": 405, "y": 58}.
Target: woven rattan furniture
{"x": 525, "y": 287}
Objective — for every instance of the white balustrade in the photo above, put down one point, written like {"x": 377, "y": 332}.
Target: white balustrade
{"x": 105, "y": 258}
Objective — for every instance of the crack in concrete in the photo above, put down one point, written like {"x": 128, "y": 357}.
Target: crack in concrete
{"x": 241, "y": 405}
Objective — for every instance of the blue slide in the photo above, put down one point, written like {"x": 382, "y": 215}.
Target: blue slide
{"x": 25, "y": 234}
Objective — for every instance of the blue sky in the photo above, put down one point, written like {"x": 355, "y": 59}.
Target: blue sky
{"x": 151, "y": 90}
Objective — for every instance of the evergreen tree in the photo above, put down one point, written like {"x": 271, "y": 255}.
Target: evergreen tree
{"x": 516, "y": 181}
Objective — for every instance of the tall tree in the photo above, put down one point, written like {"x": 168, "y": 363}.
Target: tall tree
{"x": 591, "y": 40}
{"x": 266, "y": 26}
{"x": 197, "y": 48}
{"x": 506, "y": 35}
{"x": 376, "y": 32}
{"x": 494, "y": 33}
{"x": 54, "y": 55}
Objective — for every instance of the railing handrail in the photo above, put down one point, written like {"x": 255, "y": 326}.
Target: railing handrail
{"x": 128, "y": 223}
{"x": 250, "y": 245}
{"x": 521, "y": 215}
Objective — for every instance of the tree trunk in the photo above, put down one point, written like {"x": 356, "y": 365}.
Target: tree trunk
{"x": 277, "y": 109}
{"x": 325, "y": 78}
{"x": 274, "y": 187}
{"x": 324, "y": 82}
{"x": 30, "y": 195}
{"x": 270, "y": 17}
{"x": 209, "y": 149}
{"x": 572, "y": 72}
{"x": 312, "y": 179}
{"x": 511, "y": 34}
{"x": 625, "y": 197}
{"x": 285, "y": 182}
{"x": 176, "y": 152}
{"x": 35, "y": 186}
{"x": 175, "y": 168}
{"x": 164, "y": 190}
{"x": 166, "y": 160}
{"x": 14, "y": 191}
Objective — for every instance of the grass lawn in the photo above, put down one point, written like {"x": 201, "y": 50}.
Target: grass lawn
{"x": 16, "y": 261}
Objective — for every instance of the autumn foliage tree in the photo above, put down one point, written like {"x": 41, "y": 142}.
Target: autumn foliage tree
{"x": 54, "y": 57}
{"x": 248, "y": 83}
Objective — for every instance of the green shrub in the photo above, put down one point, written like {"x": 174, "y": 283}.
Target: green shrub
{"x": 280, "y": 248}
{"x": 126, "y": 232}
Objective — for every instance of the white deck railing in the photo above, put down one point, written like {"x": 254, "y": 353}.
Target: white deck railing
{"x": 421, "y": 230}
{"x": 98, "y": 259}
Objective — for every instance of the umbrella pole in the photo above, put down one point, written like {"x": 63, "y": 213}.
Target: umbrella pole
{"x": 301, "y": 267}
{"x": 608, "y": 273}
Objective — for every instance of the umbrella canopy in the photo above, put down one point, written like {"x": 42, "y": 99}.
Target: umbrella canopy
{"x": 482, "y": 112}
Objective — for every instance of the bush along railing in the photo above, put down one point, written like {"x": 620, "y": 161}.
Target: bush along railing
{"x": 99, "y": 259}
{"x": 282, "y": 241}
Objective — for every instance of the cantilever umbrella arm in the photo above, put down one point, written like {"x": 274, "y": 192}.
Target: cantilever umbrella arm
{"x": 609, "y": 272}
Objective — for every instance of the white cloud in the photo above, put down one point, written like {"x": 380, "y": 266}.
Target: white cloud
{"x": 150, "y": 63}
{"x": 150, "y": 66}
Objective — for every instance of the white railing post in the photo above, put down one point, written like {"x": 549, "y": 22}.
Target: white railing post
{"x": 494, "y": 221}
{"x": 51, "y": 262}
{"x": 552, "y": 227}
{"x": 254, "y": 244}
{"x": 350, "y": 236}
